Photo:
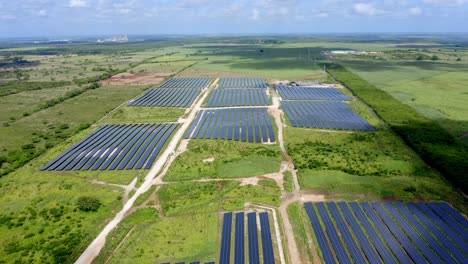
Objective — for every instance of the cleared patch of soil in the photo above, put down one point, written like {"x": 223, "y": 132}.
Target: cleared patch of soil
{"x": 135, "y": 79}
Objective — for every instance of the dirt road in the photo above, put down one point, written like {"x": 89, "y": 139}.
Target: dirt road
{"x": 95, "y": 247}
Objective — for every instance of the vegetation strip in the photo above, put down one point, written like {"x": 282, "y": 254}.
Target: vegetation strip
{"x": 433, "y": 143}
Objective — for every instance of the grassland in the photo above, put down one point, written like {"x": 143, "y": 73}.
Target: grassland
{"x": 134, "y": 114}
{"x": 229, "y": 160}
{"x": 433, "y": 88}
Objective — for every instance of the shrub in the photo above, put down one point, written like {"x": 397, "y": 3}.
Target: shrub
{"x": 87, "y": 203}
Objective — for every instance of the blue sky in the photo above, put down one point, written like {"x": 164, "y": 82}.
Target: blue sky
{"x": 23, "y": 18}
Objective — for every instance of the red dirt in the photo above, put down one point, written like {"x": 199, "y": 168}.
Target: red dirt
{"x": 135, "y": 79}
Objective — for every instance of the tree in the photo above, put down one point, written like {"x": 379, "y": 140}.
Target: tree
{"x": 434, "y": 58}
{"x": 419, "y": 58}
{"x": 458, "y": 59}
{"x": 87, "y": 203}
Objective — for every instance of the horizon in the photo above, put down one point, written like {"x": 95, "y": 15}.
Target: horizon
{"x": 240, "y": 17}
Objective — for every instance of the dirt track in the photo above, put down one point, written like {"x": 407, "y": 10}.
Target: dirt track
{"x": 135, "y": 79}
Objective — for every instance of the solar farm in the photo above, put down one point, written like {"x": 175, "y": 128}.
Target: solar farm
{"x": 238, "y": 97}
{"x": 187, "y": 82}
{"x": 242, "y": 83}
{"x": 389, "y": 232}
{"x": 253, "y": 243}
{"x": 239, "y": 124}
{"x": 167, "y": 97}
{"x": 319, "y": 107}
{"x": 324, "y": 115}
{"x": 311, "y": 93}
{"x": 115, "y": 147}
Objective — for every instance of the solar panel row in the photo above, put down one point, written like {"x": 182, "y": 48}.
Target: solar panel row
{"x": 253, "y": 242}
{"x": 225, "y": 254}
{"x": 311, "y": 93}
{"x": 242, "y": 83}
{"x": 396, "y": 232}
{"x": 238, "y": 97}
{"x": 324, "y": 115}
{"x": 245, "y": 124}
{"x": 115, "y": 147}
{"x": 187, "y": 82}
{"x": 167, "y": 97}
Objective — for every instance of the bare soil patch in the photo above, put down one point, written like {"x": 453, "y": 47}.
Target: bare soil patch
{"x": 135, "y": 79}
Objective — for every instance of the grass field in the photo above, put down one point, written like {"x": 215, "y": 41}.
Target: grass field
{"x": 152, "y": 239}
{"x": 436, "y": 89}
{"x": 134, "y": 114}
{"x": 231, "y": 159}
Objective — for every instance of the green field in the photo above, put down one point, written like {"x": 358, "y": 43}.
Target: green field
{"x": 219, "y": 159}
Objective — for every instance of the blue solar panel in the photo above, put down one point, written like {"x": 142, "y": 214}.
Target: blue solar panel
{"x": 397, "y": 232}
{"x": 335, "y": 240}
{"x": 242, "y": 83}
{"x": 346, "y": 234}
{"x": 327, "y": 253}
{"x": 365, "y": 243}
{"x": 254, "y": 254}
{"x": 167, "y": 97}
{"x": 245, "y": 124}
{"x": 324, "y": 115}
{"x": 268, "y": 254}
{"x": 412, "y": 221}
{"x": 311, "y": 93}
{"x": 239, "y": 257}
{"x": 187, "y": 82}
{"x": 116, "y": 146}
{"x": 225, "y": 254}
{"x": 238, "y": 97}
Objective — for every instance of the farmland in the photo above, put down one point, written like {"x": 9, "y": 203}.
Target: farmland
{"x": 215, "y": 157}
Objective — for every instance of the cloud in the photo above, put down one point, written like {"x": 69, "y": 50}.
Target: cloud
{"x": 366, "y": 9}
{"x": 7, "y": 17}
{"x": 255, "y": 14}
{"x": 446, "y": 3}
{"x": 415, "y": 11}
{"x": 78, "y": 3}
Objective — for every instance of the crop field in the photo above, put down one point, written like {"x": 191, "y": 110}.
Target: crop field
{"x": 115, "y": 147}
{"x": 311, "y": 93}
{"x": 167, "y": 97}
{"x": 187, "y": 82}
{"x": 253, "y": 245}
{"x": 239, "y": 124}
{"x": 389, "y": 232}
{"x": 324, "y": 115}
{"x": 242, "y": 83}
{"x": 238, "y": 97}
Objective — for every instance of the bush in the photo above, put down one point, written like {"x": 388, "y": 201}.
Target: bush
{"x": 88, "y": 204}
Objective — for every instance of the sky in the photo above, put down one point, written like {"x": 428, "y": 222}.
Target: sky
{"x": 49, "y": 18}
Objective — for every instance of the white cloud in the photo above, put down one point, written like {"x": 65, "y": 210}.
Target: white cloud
{"x": 415, "y": 11}
{"x": 446, "y": 3}
{"x": 7, "y": 17}
{"x": 366, "y": 9}
{"x": 255, "y": 14}
{"x": 78, "y": 3}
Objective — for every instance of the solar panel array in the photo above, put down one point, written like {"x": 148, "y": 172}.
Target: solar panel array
{"x": 324, "y": 115}
{"x": 242, "y": 83}
{"x": 187, "y": 82}
{"x": 253, "y": 242}
{"x": 239, "y": 124}
{"x": 238, "y": 97}
{"x": 311, "y": 93}
{"x": 167, "y": 97}
{"x": 115, "y": 147}
{"x": 389, "y": 232}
